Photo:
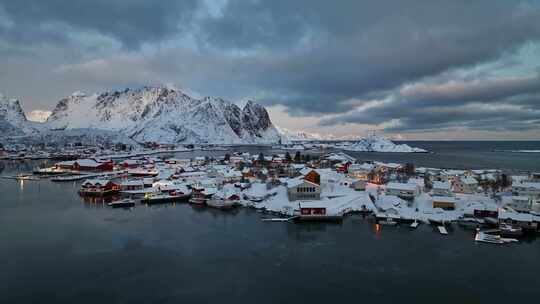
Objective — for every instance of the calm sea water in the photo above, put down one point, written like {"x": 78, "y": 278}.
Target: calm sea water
{"x": 56, "y": 248}
{"x": 466, "y": 155}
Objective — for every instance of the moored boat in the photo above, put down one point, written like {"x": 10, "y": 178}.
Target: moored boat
{"x": 125, "y": 203}
{"x": 160, "y": 198}
{"x": 491, "y": 238}
{"x": 509, "y": 230}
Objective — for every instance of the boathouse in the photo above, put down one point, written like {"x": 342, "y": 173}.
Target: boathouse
{"x": 98, "y": 187}
{"x": 86, "y": 165}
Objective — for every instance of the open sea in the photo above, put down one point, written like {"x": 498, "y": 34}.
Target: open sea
{"x": 57, "y": 248}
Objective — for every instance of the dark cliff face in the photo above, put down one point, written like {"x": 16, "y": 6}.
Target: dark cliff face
{"x": 11, "y": 109}
{"x": 255, "y": 118}
{"x": 12, "y": 118}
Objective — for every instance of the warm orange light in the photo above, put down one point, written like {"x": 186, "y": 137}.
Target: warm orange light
{"x": 377, "y": 227}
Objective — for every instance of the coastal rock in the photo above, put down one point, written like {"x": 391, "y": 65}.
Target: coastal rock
{"x": 374, "y": 143}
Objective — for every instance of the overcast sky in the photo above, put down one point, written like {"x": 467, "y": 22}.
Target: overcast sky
{"x": 417, "y": 69}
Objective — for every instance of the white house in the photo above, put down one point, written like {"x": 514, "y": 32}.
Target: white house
{"x": 301, "y": 189}
{"x": 466, "y": 185}
{"x": 520, "y": 203}
{"x": 360, "y": 171}
{"x": 525, "y": 188}
{"x": 441, "y": 188}
{"x": 402, "y": 190}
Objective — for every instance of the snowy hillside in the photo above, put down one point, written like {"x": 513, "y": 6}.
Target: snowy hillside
{"x": 165, "y": 115}
{"x": 374, "y": 143}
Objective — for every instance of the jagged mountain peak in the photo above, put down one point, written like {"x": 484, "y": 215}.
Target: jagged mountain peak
{"x": 164, "y": 114}
{"x": 10, "y": 108}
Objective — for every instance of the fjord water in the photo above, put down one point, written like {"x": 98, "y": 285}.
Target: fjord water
{"x": 57, "y": 248}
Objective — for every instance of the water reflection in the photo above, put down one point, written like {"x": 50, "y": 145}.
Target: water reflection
{"x": 98, "y": 201}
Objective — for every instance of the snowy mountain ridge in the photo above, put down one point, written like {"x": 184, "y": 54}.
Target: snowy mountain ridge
{"x": 158, "y": 114}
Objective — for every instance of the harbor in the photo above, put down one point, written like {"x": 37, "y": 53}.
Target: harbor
{"x": 308, "y": 185}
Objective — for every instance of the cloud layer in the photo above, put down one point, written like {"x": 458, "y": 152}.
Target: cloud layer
{"x": 399, "y": 66}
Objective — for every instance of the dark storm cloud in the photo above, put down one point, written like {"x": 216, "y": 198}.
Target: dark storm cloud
{"x": 505, "y": 103}
{"x": 357, "y": 47}
{"x": 130, "y": 21}
{"x": 473, "y": 116}
{"x": 313, "y": 56}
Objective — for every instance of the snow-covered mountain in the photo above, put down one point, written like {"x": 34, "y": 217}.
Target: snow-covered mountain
{"x": 165, "y": 115}
{"x": 38, "y": 115}
{"x": 13, "y": 122}
{"x": 374, "y": 143}
{"x": 289, "y": 136}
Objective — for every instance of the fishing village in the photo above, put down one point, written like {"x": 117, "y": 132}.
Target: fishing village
{"x": 309, "y": 184}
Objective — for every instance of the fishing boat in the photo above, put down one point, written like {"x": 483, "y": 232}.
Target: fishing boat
{"x": 509, "y": 230}
{"x": 125, "y": 203}
{"x": 22, "y": 177}
{"x": 160, "y": 198}
{"x": 468, "y": 222}
{"x": 141, "y": 172}
{"x": 491, "y": 238}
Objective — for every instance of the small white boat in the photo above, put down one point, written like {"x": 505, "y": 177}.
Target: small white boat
{"x": 492, "y": 239}
{"x": 22, "y": 177}
{"x": 388, "y": 222}
{"x": 442, "y": 230}
{"x": 414, "y": 224}
{"x": 220, "y": 203}
{"x": 279, "y": 219}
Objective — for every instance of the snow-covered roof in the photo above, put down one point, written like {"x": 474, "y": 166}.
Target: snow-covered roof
{"x": 386, "y": 202}
{"x": 530, "y": 185}
{"x": 437, "y": 185}
{"x": 294, "y": 182}
{"x": 446, "y": 199}
{"x": 454, "y": 172}
{"x": 361, "y": 167}
{"x": 402, "y": 186}
{"x": 96, "y": 181}
{"x": 135, "y": 182}
{"x": 517, "y": 216}
{"x": 518, "y": 198}
{"x": 416, "y": 181}
{"x": 469, "y": 180}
